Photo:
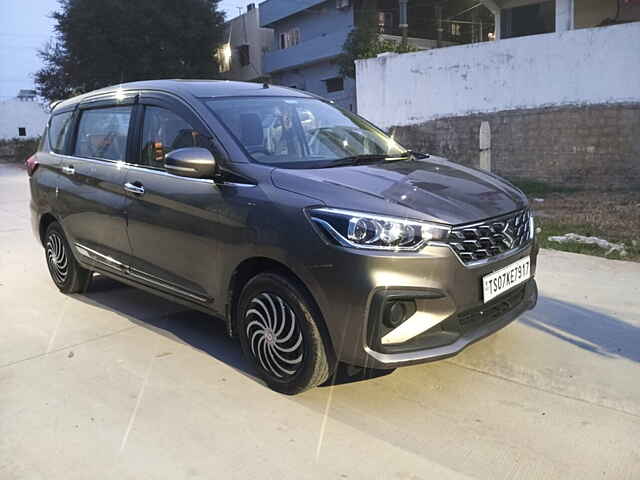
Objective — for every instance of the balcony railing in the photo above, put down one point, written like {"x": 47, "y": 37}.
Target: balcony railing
{"x": 273, "y": 10}
{"x": 310, "y": 51}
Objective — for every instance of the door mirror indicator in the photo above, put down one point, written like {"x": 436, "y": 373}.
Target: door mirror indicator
{"x": 194, "y": 162}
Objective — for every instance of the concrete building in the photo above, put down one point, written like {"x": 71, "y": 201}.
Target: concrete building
{"x": 555, "y": 98}
{"x": 310, "y": 34}
{"x": 240, "y": 57}
{"x": 22, "y": 117}
{"x": 517, "y": 18}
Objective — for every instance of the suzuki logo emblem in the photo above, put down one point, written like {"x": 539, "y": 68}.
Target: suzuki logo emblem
{"x": 508, "y": 239}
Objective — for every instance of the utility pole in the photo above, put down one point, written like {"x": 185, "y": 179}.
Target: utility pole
{"x": 438, "y": 9}
{"x": 404, "y": 23}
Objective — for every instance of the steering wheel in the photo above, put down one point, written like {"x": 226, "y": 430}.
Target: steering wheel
{"x": 314, "y": 136}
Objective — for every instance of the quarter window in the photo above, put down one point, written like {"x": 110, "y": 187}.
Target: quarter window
{"x": 163, "y": 132}
{"x": 102, "y": 133}
{"x": 58, "y": 129}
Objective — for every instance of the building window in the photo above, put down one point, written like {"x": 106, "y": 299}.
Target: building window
{"x": 385, "y": 22}
{"x": 22, "y": 131}
{"x": 335, "y": 84}
{"x": 528, "y": 20}
{"x": 455, "y": 30}
{"x": 289, "y": 38}
{"x": 243, "y": 55}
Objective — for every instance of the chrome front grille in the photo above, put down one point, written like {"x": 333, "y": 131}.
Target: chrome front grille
{"x": 491, "y": 238}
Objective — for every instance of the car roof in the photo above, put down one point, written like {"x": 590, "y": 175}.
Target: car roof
{"x": 191, "y": 88}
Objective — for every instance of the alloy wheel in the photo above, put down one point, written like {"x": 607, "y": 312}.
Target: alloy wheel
{"x": 274, "y": 335}
{"x": 57, "y": 258}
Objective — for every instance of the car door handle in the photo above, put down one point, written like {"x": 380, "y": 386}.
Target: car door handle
{"x": 135, "y": 189}
{"x": 68, "y": 170}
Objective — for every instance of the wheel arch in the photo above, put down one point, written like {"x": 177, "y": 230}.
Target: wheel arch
{"x": 45, "y": 220}
{"x": 251, "y": 267}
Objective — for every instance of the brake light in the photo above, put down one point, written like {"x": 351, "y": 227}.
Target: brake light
{"x": 32, "y": 164}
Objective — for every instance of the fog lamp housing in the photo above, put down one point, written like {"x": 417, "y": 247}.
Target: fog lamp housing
{"x": 392, "y": 307}
{"x": 398, "y": 311}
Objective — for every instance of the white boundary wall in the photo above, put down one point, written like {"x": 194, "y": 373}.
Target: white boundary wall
{"x": 577, "y": 67}
{"x": 16, "y": 113}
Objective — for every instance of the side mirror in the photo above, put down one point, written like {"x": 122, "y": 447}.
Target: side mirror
{"x": 194, "y": 162}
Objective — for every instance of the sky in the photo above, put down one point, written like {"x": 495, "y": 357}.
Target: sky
{"x": 25, "y": 27}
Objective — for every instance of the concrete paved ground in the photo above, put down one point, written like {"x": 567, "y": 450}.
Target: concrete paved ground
{"x": 119, "y": 384}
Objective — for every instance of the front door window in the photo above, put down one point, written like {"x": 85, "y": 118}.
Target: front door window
{"x": 163, "y": 132}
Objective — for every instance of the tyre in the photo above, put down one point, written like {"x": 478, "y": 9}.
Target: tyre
{"x": 278, "y": 330}
{"x": 65, "y": 271}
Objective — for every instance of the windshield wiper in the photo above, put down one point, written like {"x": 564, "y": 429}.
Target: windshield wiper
{"x": 365, "y": 159}
{"x": 420, "y": 155}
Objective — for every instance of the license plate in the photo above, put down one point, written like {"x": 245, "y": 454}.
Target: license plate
{"x": 506, "y": 278}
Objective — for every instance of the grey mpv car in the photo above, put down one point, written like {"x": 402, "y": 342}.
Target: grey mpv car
{"x": 315, "y": 236}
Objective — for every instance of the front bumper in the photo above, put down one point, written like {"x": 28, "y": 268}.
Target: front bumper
{"x": 528, "y": 297}
{"x": 448, "y": 295}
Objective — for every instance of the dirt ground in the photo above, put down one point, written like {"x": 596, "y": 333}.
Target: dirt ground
{"x": 613, "y": 216}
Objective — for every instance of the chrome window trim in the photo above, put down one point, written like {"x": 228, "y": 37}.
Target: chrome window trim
{"x": 133, "y": 166}
{"x": 179, "y": 169}
{"x": 143, "y": 168}
{"x": 236, "y": 184}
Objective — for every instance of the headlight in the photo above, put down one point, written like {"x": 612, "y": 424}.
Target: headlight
{"x": 376, "y": 232}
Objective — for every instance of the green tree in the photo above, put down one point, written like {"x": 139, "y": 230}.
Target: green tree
{"x": 366, "y": 42}
{"x": 106, "y": 42}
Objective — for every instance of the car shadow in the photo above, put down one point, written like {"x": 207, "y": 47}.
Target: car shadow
{"x": 596, "y": 332}
{"x": 345, "y": 374}
{"x": 203, "y": 332}
{"x": 593, "y": 331}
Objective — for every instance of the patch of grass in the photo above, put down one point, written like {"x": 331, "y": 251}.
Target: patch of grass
{"x": 613, "y": 216}
{"x": 26, "y": 148}
{"x": 18, "y": 149}
{"x": 536, "y": 188}
{"x": 551, "y": 227}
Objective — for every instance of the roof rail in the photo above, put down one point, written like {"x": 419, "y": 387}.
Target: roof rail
{"x": 54, "y": 104}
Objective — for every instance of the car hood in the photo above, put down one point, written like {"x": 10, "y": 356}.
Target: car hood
{"x": 432, "y": 189}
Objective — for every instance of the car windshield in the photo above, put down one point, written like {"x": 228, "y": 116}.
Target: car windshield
{"x": 296, "y": 132}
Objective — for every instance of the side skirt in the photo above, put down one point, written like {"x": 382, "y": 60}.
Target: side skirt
{"x": 116, "y": 270}
{"x": 129, "y": 281}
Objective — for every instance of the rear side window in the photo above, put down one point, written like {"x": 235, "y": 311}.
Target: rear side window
{"x": 163, "y": 132}
{"x": 43, "y": 139}
{"x": 58, "y": 130}
{"x": 102, "y": 133}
